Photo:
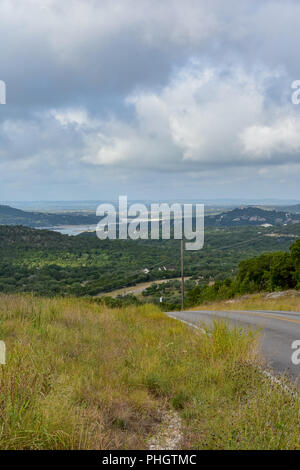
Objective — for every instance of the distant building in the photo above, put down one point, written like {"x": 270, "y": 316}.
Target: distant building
{"x": 169, "y": 268}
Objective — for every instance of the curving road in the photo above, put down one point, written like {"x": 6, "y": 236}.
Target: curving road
{"x": 279, "y": 330}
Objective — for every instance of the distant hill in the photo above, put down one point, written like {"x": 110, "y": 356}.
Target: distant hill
{"x": 237, "y": 217}
{"x": 251, "y": 216}
{"x": 11, "y": 216}
{"x": 295, "y": 209}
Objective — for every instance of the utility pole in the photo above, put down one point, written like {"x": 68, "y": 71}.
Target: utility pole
{"x": 182, "y": 275}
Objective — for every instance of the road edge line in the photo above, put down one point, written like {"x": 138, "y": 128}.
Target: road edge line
{"x": 265, "y": 372}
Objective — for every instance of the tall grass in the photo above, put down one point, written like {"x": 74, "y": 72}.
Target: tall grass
{"x": 289, "y": 301}
{"x": 81, "y": 376}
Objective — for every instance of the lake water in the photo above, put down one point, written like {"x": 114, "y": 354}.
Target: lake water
{"x": 71, "y": 229}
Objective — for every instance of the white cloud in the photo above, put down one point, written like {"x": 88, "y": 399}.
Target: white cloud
{"x": 203, "y": 117}
{"x": 146, "y": 87}
{"x": 70, "y": 116}
{"x": 280, "y": 137}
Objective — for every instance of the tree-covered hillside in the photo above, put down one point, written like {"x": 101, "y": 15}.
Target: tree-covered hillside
{"x": 265, "y": 273}
{"x": 252, "y": 216}
{"x": 245, "y": 216}
{"x": 47, "y": 262}
{"x": 11, "y": 216}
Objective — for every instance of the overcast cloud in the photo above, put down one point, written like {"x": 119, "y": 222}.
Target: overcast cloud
{"x": 148, "y": 98}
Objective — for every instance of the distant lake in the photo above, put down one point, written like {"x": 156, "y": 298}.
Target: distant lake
{"x": 77, "y": 229}
{"x": 71, "y": 229}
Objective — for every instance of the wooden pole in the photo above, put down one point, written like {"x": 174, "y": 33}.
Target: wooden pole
{"x": 182, "y": 276}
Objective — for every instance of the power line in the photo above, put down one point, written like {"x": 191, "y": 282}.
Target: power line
{"x": 238, "y": 243}
{"x": 161, "y": 263}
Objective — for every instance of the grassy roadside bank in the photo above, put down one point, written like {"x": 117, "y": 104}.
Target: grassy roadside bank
{"x": 79, "y": 375}
{"x": 287, "y": 300}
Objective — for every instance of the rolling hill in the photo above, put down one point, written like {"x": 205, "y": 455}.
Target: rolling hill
{"x": 11, "y": 216}
{"x": 243, "y": 216}
{"x": 251, "y": 216}
{"x": 295, "y": 208}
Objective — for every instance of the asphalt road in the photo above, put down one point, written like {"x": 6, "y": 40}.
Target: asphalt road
{"x": 278, "y": 331}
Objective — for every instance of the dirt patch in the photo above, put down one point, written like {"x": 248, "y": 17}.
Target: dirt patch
{"x": 169, "y": 432}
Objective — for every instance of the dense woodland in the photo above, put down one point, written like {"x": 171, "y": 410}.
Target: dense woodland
{"x": 265, "y": 273}
{"x": 48, "y": 263}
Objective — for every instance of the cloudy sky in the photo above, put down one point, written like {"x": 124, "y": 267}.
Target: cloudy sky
{"x": 149, "y": 98}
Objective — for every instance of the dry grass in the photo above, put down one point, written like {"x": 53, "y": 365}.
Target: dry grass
{"x": 288, "y": 300}
{"x": 81, "y": 376}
